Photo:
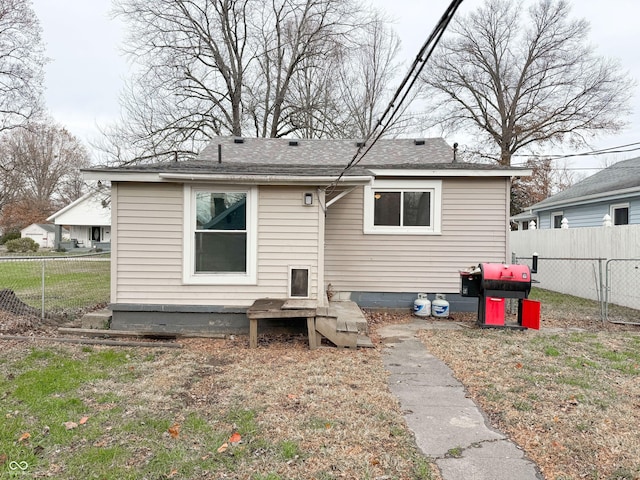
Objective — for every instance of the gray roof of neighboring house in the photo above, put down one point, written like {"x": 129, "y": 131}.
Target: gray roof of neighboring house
{"x": 623, "y": 175}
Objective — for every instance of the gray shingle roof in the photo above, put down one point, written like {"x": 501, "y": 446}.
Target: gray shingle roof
{"x": 308, "y": 158}
{"x": 282, "y": 151}
{"x": 619, "y": 176}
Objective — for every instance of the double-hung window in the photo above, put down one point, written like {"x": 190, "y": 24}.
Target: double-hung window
{"x": 220, "y": 229}
{"x": 408, "y": 207}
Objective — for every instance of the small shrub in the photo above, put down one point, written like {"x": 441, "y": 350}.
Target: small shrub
{"x": 9, "y": 236}
{"x": 22, "y": 245}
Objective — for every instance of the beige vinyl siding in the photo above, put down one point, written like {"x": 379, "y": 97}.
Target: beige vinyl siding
{"x": 150, "y": 242}
{"x": 474, "y": 230}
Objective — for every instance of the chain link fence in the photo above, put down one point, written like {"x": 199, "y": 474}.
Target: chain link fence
{"x": 622, "y": 291}
{"x": 54, "y": 288}
{"x": 589, "y": 288}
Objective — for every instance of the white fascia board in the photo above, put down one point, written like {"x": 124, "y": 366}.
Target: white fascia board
{"x": 241, "y": 179}
{"x": 266, "y": 179}
{"x": 507, "y": 172}
{"x": 121, "y": 176}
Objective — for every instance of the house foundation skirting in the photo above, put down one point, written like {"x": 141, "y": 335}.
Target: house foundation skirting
{"x": 183, "y": 319}
{"x": 401, "y": 301}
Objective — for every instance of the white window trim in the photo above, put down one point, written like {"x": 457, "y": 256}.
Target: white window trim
{"x": 554, "y": 215}
{"x": 434, "y": 186}
{"x": 189, "y": 277}
{"x": 616, "y": 206}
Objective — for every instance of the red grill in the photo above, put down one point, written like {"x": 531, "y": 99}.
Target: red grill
{"x": 492, "y": 283}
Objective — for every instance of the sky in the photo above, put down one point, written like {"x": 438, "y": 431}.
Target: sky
{"x": 86, "y": 71}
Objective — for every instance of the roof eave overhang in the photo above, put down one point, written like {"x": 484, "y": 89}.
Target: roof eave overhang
{"x": 507, "y": 172}
{"x": 586, "y": 199}
{"x": 260, "y": 179}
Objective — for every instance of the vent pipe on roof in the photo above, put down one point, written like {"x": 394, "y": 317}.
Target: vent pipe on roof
{"x": 455, "y": 152}
{"x": 219, "y": 153}
{"x": 360, "y": 144}
{"x": 418, "y": 142}
{"x": 238, "y": 140}
{"x": 293, "y": 143}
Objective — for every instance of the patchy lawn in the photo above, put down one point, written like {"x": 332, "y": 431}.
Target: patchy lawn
{"x": 568, "y": 394}
{"x": 214, "y": 409}
{"x": 218, "y": 410}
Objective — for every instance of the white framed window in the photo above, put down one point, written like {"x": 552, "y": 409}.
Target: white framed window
{"x": 556, "y": 219}
{"x": 220, "y": 235}
{"x": 403, "y": 207}
{"x": 620, "y": 214}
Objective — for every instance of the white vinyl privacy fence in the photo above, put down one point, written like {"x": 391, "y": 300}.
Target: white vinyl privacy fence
{"x": 598, "y": 263}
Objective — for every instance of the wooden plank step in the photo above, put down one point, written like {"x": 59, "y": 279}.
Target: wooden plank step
{"x": 364, "y": 342}
{"x": 326, "y": 326}
{"x": 345, "y": 326}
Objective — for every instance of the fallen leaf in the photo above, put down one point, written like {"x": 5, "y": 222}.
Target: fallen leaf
{"x": 205, "y": 457}
{"x": 3, "y": 458}
{"x": 518, "y": 365}
{"x": 172, "y": 473}
{"x": 83, "y": 420}
{"x": 70, "y": 425}
{"x": 223, "y": 448}
{"x": 235, "y": 439}
{"x": 38, "y": 449}
{"x": 291, "y": 396}
{"x": 24, "y": 436}
{"x": 174, "y": 430}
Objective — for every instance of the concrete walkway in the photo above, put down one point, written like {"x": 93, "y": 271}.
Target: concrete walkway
{"x": 448, "y": 426}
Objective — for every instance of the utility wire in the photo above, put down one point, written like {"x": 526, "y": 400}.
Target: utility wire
{"x": 401, "y": 94}
{"x": 604, "y": 151}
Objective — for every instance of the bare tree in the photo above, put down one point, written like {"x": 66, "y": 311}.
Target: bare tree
{"x": 44, "y": 161}
{"x": 231, "y": 67}
{"x": 21, "y": 64}
{"x": 366, "y": 79}
{"x": 525, "y": 82}
{"x": 548, "y": 178}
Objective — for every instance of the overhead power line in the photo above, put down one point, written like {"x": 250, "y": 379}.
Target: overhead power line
{"x": 604, "y": 151}
{"x": 395, "y": 105}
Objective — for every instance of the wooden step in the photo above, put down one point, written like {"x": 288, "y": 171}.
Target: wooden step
{"x": 328, "y": 328}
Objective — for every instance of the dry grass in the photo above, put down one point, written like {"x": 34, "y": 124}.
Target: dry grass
{"x": 322, "y": 414}
{"x": 568, "y": 394}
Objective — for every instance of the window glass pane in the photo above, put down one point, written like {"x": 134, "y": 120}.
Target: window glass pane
{"x": 221, "y": 252}
{"x": 386, "y": 209}
{"x": 557, "y": 221}
{"x": 221, "y": 211}
{"x": 417, "y": 209}
{"x": 621, "y": 216}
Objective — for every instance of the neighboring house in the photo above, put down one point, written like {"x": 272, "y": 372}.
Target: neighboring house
{"x": 42, "y": 233}
{"x": 195, "y": 243}
{"x": 88, "y": 219}
{"x": 613, "y": 191}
